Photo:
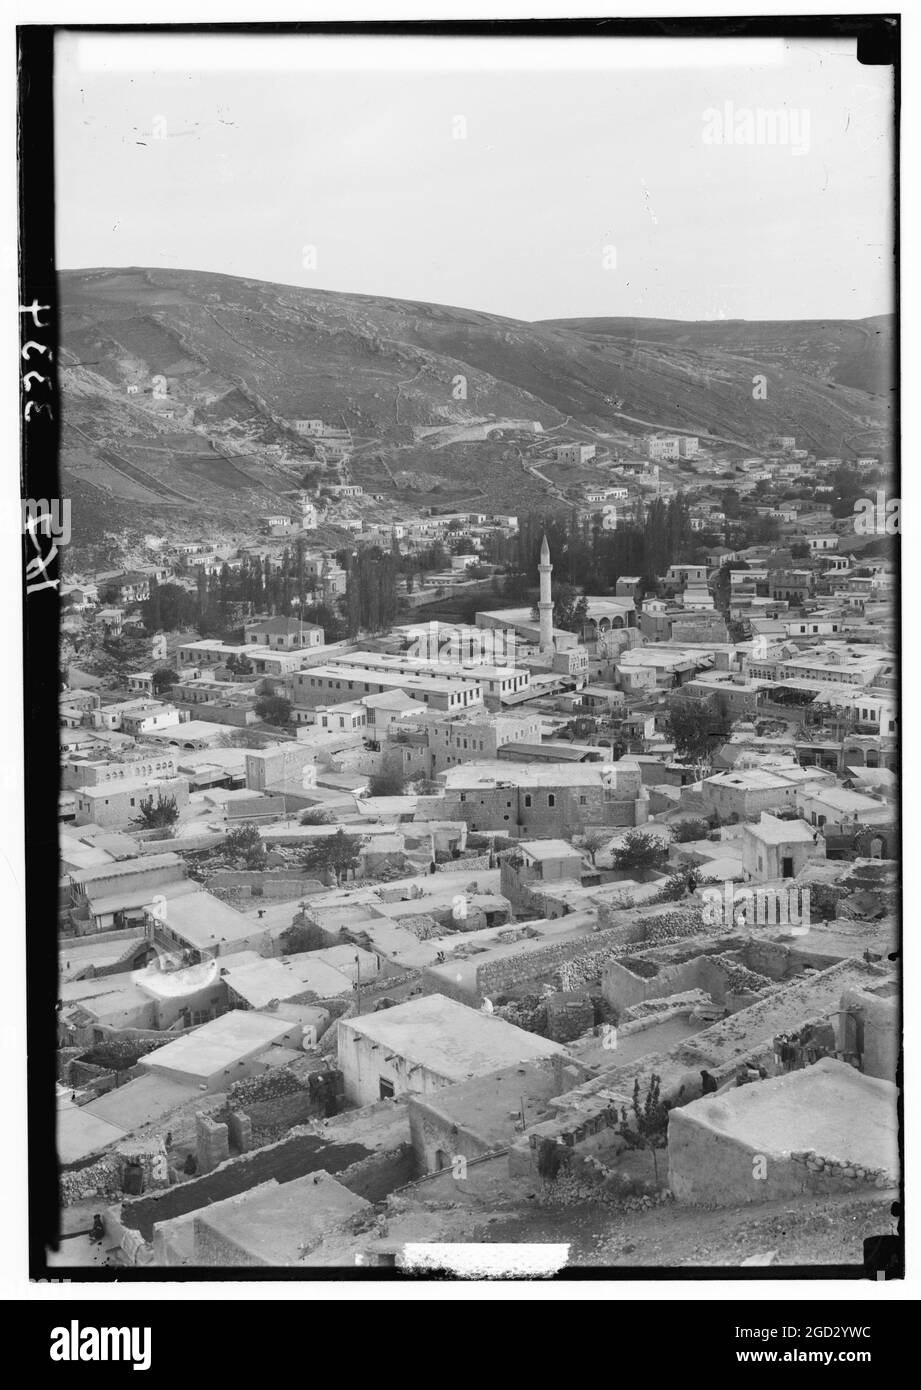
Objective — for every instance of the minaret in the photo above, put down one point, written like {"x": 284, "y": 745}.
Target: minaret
{"x": 545, "y": 606}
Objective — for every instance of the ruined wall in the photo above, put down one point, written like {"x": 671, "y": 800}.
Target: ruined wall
{"x": 453, "y": 866}
{"x": 586, "y": 954}
{"x": 293, "y": 1157}
{"x": 569, "y": 1015}
{"x": 623, "y": 987}
{"x": 582, "y": 961}
{"x": 768, "y": 958}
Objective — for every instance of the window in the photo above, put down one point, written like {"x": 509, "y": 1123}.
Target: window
{"x": 386, "y": 1089}
{"x": 527, "y": 801}
{"x": 551, "y": 799}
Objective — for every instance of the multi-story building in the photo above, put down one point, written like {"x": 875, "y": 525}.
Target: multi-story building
{"x": 283, "y": 634}
{"x": 574, "y": 453}
{"x": 329, "y": 685}
{"x": 545, "y": 800}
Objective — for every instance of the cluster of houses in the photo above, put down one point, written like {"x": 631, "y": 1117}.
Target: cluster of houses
{"x": 550, "y": 891}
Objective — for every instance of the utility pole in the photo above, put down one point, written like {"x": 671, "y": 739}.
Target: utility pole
{"x": 358, "y": 985}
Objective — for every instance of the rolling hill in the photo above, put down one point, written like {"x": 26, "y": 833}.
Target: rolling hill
{"x": 179, "y": 387}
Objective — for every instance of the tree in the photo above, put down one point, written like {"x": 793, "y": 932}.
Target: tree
{"x": 246, "y": 843}
{"x": 242, "y": 738}
{"x": 423, "y": 785}
{"x": 799, "y": 551}
{"x": 386, "y": 783}
{"x": 570, "y": 608}
{"x": 677, "y": 885}
{"x": 731, "y": 503}
{"x": 639, "y": 850}
{"x": 239, "y": 665}
{"x": 693, "y": 829}
{"x": 594, "y": 840}
{"x": 169, "y": 607}
{"x": 849, "y": 486}
{"x": 371, "y": 590}
{"x": 696, "y": 727}
{"x": 274, "y": 709}
{"x": 763, "y": 529}
{"x": 649, "y": 1126}
{"x": 315, "y": 816}
{"x": 300, "y": 937}
{"x": 163, "y": 678}
{"x": 335, "y": 854}
{"x": 155, "y": 817}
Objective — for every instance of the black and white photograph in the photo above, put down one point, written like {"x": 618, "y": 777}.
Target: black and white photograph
{"x": 461, "y": 603}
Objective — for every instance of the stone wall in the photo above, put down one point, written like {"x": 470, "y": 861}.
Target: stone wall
{"x": 270, "y": 884}
{"x": 212, "y": 1143}
{"x": 569, "y": 1015}
{"x": 510, "y": 972}
{"x": 711, "y": 1168}
{"x": 364, "y": 1171}
{"x": 580, "y": 962}
{"x": 433, "y": 1133}
{"x": 99, "y": 1179}
{"x": 453, "y": 866}
{"x": 549, "y": 1148}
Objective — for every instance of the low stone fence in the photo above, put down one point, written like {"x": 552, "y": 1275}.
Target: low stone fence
{"x": 267, "y": 884}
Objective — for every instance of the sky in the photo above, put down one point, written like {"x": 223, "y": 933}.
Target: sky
{"x": 531, "y": 178}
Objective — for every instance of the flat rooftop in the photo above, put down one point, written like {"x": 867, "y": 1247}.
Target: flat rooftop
{"x": 448, "y": 1038}
{"x": 79, "y": 1132}
{"x": 121, "y": 868}
{"x": 142, "y": 1101}
{"x": 78, "y": 952}
{"x": 225, "y": 1040}
{"x": 549, "y": 849}
{"x": 490, "y": 1105}
{"x": 277, "y": 1224}
{"x": 142, "y": 897}
{"x": 494, "y": 772}
{"x": 774, "y": 831}
{"x": 269, "y": 979}
{"x": 829, "y": 1107}
{"x": 471, "y": 669}
{"x": 384, "y": 676}
{"x": 205, "y": 922}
